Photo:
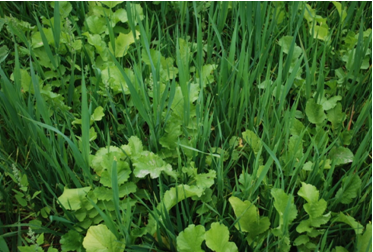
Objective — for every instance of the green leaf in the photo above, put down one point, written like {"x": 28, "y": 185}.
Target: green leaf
{"x": 253, "y": 140}
{"x": 341, "y": 155}
{"x": 331, "y": 103}
{"x": 122, "y": 43}
{"x": 206, "y": 76}
{"x": 309, "y": 193}
{"x": 315, "y": 112}
{"x": 349, "y": 220}
{"x": 349, "y": 190}
{"x": 173, "y": 132}
{"x": 285, "y": 43}
{"x": 65, "y": 8}
{"x": 342, "y": 13}
{"x": 217, "y": 239}
{"x": 190, "y": 240}
{"x": 123, "y": 173}
{"x": 248, "y": 215}
{"x": 335, "y": 116}
{"x": 320, "y": 32}
{"x": 136, "y": 8}
{"x": 31, "y": 248}
{"x": 296, "y": 127}
{"x": 106, "y": 194}
{"x": 37, "y": 41}
{"x": 111, "y": 4}
{"x": 302, "y": 239}
{"x": 104, "y": 158}
{"x": 96, "y": 25}
{"x": 4, "y": 51}
{"x": 112, "y": 77}
{"x": 315, "y": 209}
{"x": 72, "y": 241}
{"x": 97, "y": 114}
{"x": 339, "y": 249}
{"x": 364, "y": 242}
{"x": 120, "y": 15}
{"x": 21, "y": 200}
{"x": 92, "y": 134}
{"x": 150, "y": 163}
{"x": 205, "y": 180}
{"x": 71, "y": 199}
{"x": 136, "y": 145}
{"x": 346, "y": 137}
{"x": 309, "y": 224}
{"x": 179, "y": 193}
{"x": 184, "y": 52}
{"x": 284, "y": 205}
{"x": 100, "y": 239}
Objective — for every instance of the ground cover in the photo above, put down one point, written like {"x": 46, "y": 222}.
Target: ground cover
{"x": 185, "y": 126}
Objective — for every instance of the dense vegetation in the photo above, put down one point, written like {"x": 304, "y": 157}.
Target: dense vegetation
{"x": 185, "y": 126}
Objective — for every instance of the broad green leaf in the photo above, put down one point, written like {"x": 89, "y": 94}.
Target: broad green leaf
{"x": 284, "y": 205}
{"x": 315, "y": 209}
{"x": 346, "y": 137}
{"x": 190, "y": 240}
{"x": 341, "y": 155}
{"x": 320, "y": 32}
{"x": 111, "y": 4}
{"x": 335, "y": 116}
{"x": 296, "y": 127}
{"x": 120, "y": 15}
{"x": 331, "y": 103}
{"x": 304, "y": 226}
{"x": 97, "y": 114}
{"x": 206, "y": 77}
{"x": 308, "y": 166}
{"x": 122, "y": 43}
{"x": 173, "y": 132}
{"x": 253, "y": 140}
{"x": 321, "y": 220}
{"x": 113, "y": 77}
{"x": 309, "y": 224}
{"x": 339, "y": 249}
{"x": 31, "y": 248}
{"x": 137, "y": 12}
{"x": 248, "y": 215}
{"x": 123, "y": 173}
{"x": 349, "y": 189}
{"x": 135, "y": 145}
{"x": 302, "y": 239}
{"x": 65, "y": 8}
{"x": 150, "y": 163}
{"x": 309, "y": 193}
{"x": 100, "y": 239}
{"x": 96, "y": 25}
{"x": 205, "y": 180}
{"x": 106, "y": 194}
{"x": 184, "y": 52}
{"x": 364, "y": 241}
{"x": 285, "y": 43}
{"x": 349, "y": 220}
{"x": 104, "y": 157}
{"x": 71, "y": 199}
{"x": 217, "y": 239}
{"x": 342, "y": 12}
{"x": 37, "y": 41}
{"x": 315, "y": 112}
{"x": 179, "y": 193}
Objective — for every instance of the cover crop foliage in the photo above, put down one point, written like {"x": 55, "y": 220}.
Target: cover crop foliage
{"x": 185, "y": 126}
